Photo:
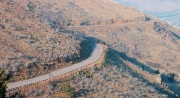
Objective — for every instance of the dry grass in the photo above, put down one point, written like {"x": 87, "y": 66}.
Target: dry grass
{"x": 131, "y": 36}
{"x": 76, "y": 12}
{"x": 116, "y": 81}
{"x": 29, "y": 47}
{"x": 141, "y": 41}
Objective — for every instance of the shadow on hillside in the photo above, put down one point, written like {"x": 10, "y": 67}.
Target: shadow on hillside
{"x": 80, "y": 93}
{"x": 114, "y": 57}
{"x": 85, "y": 52}
{"x": 172, "y": 84}
{"x": 177, "y": 36}
{"x": 136, "y": 62}
{"x": 115, "y": 54}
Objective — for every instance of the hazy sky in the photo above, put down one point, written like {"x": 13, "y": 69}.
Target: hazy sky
{"x": 153, "y": 5}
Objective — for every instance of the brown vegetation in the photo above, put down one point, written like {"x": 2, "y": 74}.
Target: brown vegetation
{"x": 138, "y": 46}
{"x": 29, "y": 47}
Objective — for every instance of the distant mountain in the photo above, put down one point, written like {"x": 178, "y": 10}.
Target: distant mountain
{"x": 168, "y": 10}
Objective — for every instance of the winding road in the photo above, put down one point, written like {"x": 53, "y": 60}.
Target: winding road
{"x": 95, "y": 56}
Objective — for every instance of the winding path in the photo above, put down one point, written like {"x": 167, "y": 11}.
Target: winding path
{"x": 95, "y": 56}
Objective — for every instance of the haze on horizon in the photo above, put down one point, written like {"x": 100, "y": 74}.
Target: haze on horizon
{"x": 153, "y": 5}
{"x": 168, "y": 10}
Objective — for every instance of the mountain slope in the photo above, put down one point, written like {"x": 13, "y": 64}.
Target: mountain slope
{"x": 77, "y": 12}
{"x": 29, "y": 47}
{"x": 138, "y": 45}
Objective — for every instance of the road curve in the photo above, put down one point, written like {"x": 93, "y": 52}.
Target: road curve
{"x": 95, "y": 55}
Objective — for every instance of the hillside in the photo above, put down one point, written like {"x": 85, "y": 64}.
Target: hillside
{"x": 29, "y": 47}
{"x": 138, "y": 45}
{"x": 75, "y": 12}
{"x": 149, "y": 40}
